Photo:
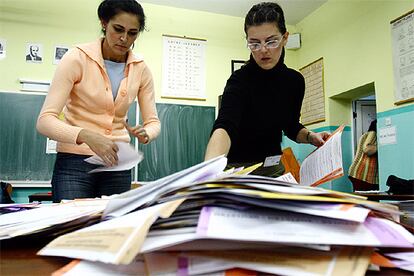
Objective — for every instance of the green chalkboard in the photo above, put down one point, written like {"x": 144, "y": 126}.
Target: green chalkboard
{"x": 22, "y": 149}
{"x": 185, "y": 131}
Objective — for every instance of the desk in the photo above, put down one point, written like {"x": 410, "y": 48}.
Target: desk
{"x": 385, "y": 196}
{"x": 19, "y": 258}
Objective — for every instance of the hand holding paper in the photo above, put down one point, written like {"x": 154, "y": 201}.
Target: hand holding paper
{"x": 127, "y": 159}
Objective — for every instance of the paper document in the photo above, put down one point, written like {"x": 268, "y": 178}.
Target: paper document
{"x": 115, "y": 241}
{"x": 276, "y": 226}
{"x": 134, "y": 199}
{"x": 49, "y": 217}
{"x": 128, "y": 158}
{"x": 325, "y": 163}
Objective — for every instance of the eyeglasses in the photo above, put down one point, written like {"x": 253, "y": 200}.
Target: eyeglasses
{"x": 271, "y": 44}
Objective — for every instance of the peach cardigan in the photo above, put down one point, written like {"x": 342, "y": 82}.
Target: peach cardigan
{"x": 82, "y": 89}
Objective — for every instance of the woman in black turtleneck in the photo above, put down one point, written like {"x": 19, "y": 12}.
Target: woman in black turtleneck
{"x": 261, "y": 99}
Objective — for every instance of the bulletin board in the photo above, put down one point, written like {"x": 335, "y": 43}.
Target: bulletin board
{"x": 313, "y": 106}
{"x": 183, "y": 68}
{"x": 402, "y": 35}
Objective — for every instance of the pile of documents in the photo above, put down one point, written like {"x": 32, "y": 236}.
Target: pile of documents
{"x": 54, "y": 219}
{"x": 203, "y": 221}
{"x": 207, "y": 221}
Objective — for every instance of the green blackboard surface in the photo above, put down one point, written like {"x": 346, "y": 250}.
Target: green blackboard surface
{"x": 185, "y": 131}
{"x": 22, "y": 149}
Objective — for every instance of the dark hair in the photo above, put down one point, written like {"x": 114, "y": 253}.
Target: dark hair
{"x": 265, "y": 12}
{"x": 109, "y": 8}
{"x": 373, "y": 126}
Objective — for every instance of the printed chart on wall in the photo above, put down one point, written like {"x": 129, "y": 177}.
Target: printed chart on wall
{"x": 183, "y": 68}
{"x": 402, "y": 32}
{"x": 313, "y": 106}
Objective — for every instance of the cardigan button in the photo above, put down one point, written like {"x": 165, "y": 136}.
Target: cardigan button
{"x": 107, "y": 131}
{"x": 123, "y": 93}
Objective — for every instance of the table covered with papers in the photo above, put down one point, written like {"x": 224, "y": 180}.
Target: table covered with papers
{"x": 203, "y": 221}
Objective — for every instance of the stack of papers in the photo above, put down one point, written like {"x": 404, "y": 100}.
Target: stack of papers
{"x": 207, "y": 221}
{"x": 50, "y": 218}
{"x": 203, "y": 221}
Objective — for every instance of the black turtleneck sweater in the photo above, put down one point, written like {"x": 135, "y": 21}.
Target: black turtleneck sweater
{"x": 256, "y": 106}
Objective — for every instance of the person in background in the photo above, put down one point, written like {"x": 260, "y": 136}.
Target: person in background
{"x": 261, "y": 99}
{"x": 33, "y": 54}
{"x": 95, "y": 84}
{"x": 363, "y": 171}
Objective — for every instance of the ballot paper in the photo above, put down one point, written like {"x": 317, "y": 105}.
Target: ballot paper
{"x": 56, "y": 217}
{"x": 128, "y": 158}
{"x": 403, "y": 260}
{"x": 281, "y": 261}
{"x": 133, "y": 199}
{"x": 275, "y": 226}
{"x": 115, "y": 241}
{"x": 325, "y": 163}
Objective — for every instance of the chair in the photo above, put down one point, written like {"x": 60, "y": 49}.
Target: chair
{"x": 290, "y": 163}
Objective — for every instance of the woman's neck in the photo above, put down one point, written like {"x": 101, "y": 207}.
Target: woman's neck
{"x": 106, "y": 53}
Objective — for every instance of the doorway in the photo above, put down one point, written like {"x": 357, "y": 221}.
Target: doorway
{"x": 364, "y": 111}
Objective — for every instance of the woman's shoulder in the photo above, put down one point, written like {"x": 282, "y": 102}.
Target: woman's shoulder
{"x": 243, "y": 73}
{"x": 294, "y": 73}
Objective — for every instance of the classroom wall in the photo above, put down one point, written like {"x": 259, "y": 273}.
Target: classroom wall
{"x": 66, "y": 23}
{"x": 397, "y": 158}
{"x": 354, "y": 39}
{"x": 59, "y": 22}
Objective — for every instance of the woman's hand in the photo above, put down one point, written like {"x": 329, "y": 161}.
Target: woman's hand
{"x": 104, "y": 147}
{"x": 318, "y": 138}
{"x": 139, "y": 132}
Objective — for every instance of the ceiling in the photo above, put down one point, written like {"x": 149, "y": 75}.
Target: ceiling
{"x": 295, "y": 10}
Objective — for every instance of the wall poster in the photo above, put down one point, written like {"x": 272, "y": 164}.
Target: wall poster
{"x": 402, "y": 35}
{"x": 183, "y": 68}
{"x": 313, "y": 105}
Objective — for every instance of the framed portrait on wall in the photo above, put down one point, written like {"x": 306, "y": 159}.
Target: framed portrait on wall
{"x": 236, "y": 64}
{"x": 59, "y": 52}
{"x": 34, "y": 52}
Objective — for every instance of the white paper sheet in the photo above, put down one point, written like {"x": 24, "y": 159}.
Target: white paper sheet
{"x": 288, "y": 227}
{"x": 128, "y": 158}
{"x": 323, "y": 161}
{"x": 133, "y": 199}
{"x": 115, "y": 241}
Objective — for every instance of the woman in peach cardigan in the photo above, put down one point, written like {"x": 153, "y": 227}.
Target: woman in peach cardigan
{"x": 94, "y": 85}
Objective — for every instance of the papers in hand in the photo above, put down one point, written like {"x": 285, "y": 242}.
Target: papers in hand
{"x": 128, "y": 158}
{"x": 325, "y": 163}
